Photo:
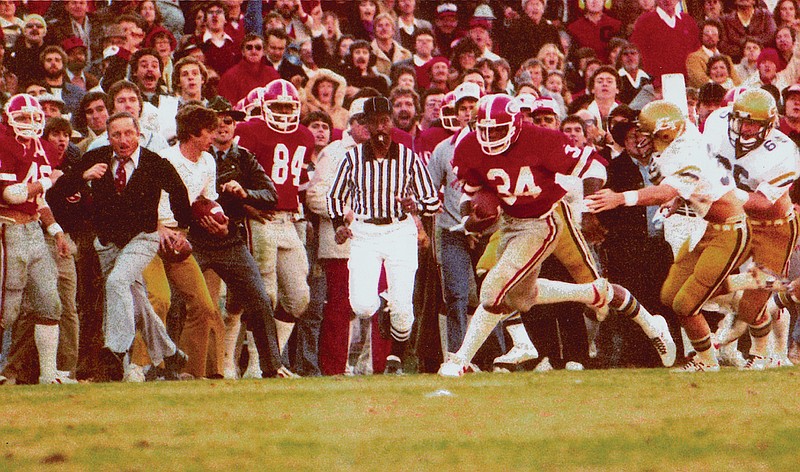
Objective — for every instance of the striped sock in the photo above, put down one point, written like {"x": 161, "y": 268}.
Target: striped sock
{"x": 704, "y": 350}
{"x": 758, "y": 334}
{"x": 633, "y": 310}
{"x": 517, "y": 331}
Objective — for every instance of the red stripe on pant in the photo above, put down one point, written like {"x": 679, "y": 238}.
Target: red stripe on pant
{"x": 535, "y": 260}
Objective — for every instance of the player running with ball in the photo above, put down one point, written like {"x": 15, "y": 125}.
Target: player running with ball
{"x": 518, "y": 162}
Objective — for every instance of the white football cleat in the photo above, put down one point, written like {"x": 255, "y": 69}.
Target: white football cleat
{"x": 229, "y": 373}
{"x": 573, "y": 366}
{"x": 518, "y": 354}
{"x": 544, "y": 366}
{"x": 695, "y": 365}
{"x": 57, "y": 380}
{"x": 453, "y": 366}
{"x": 663, "y": 343}
{"x": 730, "y": 355}
{"x": 755, "y": 363}
{"x": 604, "y": 293}
{"x": 779, "y": 361}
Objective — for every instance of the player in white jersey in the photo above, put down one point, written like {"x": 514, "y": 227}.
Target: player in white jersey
{"x": 685, "y": 175}
{"x": 764, "y": 163}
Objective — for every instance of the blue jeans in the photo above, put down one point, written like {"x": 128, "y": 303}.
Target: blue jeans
{"x": 456, "y": 267}
{"x": 306, "y": 354}
{"x": 237, "y": 268}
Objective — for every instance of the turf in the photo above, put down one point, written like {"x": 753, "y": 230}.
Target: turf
{"x": 591, "y": 420}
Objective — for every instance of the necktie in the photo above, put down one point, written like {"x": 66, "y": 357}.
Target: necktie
{"x": 121, "y": 176}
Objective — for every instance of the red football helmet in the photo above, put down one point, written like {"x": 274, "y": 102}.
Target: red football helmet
{"x": 25, "y": 116}
{"x": 733, "y": 94}
{"x": 252, "y": 103}
{"x": 280, "y": 106}
{"x": 498, "y": 125}
{"x": 447, "y": 113}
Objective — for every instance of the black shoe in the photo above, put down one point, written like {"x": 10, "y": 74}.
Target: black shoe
{"x": 174, "y": 363}
{"x": 393, "y": 366}
{"x": 384, "y": 319}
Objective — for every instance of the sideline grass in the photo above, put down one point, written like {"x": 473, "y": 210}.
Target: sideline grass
{"x": 591, "y": 420}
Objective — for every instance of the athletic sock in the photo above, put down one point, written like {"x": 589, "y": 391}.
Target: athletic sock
{"x": 232, "y": 327}
{"x": 252, "y": 351}
{"x": 632, "y": 309}
{"x": 46, "y": 338}
{"x": 516, "y": 329}
{"x": 780, "y": 331}
{"x": 704, "y": 350}
{"x": 479, "y": 328}
{"x": 758, "y": 335}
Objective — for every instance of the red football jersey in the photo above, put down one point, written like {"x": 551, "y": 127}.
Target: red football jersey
{"x": 284, "y": 157}
{"x": 20, "y": 165}
{"x": 524, "y": 175}
{"x": 426, "y": 142}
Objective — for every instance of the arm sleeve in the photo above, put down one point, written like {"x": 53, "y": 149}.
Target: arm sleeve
{"x": 178, "y": 196}
{"x": 423, "y": 187}
{"x": 261, "y": 193}
{"x": 339, "y": 192}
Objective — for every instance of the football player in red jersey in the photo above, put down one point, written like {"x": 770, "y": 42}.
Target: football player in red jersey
{"x": 519, "y": 162}
{"x": 284, "y": 149}
{"x": 28, "y": 270}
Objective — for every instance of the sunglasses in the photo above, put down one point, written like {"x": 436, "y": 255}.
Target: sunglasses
{"x": 250, "y": 47}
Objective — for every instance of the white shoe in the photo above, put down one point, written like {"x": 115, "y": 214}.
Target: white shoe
{"x": 518, "y": 354}
{"x": 730, "y": 355}
{"x": 779, "y": 361}
{"x": 573, "y": 366}
{"x": 593, "y": 352}
{"x": 453, "y": 366}
{"x": 604, "y": 293}
{"x": 696, "y": 365}
{"x": 544, "y": 366}
{"x": 229, "y": 373}
{"x": 57, "y": 380}
{"x": 755, "y": 363}
{"x": 663, "y": 343}
{"x": 285, "y": 373}
{"x": 252, "y": 373}
{"x": 133, "y": 373}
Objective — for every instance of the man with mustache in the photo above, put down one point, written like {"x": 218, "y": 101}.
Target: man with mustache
{"x": 146, "y": 72}
{"x": 405, "y": 105}
{"x": 53, "y": 60}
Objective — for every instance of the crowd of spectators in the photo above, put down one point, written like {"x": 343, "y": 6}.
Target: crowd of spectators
{"x": 594, "y": 62}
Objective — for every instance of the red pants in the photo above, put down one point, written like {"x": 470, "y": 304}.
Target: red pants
{"x": 334, "y": 334}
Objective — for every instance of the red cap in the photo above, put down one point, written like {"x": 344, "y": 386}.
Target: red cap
{"x": 71, "y": 43}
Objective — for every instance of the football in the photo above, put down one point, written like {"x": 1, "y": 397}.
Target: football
{"x": 486, "y": 204}
{"x": 204, "y": 207}
{"x": 177, "y": 251}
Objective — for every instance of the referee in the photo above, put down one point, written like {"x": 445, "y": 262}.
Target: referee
{"x": 382, "y": 182}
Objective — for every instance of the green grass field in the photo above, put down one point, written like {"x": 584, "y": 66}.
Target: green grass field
{"x": 591, "y": 420}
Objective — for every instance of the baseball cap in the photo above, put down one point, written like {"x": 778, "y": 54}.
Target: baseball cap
{"x": 50, "y": 98}
{"x": 545, "y": 105}
{"x": 223, "y": 107}
{"x": 377, "y": 106}
{"x": 447, "y": 9}
{"x": 484, "y": 12}
{"x": 71, "y": 43}
{"x": 357, "y": 108}
{"x": 467, "y": 90}
{"x": 768, "y": 54}
{"x": 792, "y": 89}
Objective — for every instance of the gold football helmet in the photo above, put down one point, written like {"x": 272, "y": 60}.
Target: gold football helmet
{"x": 753, "y": 116}
{"x": 660, "y": 122}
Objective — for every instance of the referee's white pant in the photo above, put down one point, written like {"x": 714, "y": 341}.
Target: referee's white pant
{"x": 393, "y": 246}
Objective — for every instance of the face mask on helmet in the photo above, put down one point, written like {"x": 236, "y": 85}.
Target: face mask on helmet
{"x": 449, "y": 118}
{"x": 25, "y": 116}
{"x": 497, "y": 125}
{"x": 753, "y": 116}
{"x": 659, "y": 124}
{"x": 282, "y": 116}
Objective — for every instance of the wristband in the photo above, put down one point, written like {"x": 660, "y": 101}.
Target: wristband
{"x": 54, "y": 229}
{"x": 631, "y": 198}
{"x": 46, "y": 183}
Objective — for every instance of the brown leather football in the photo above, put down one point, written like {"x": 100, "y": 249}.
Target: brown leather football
{"x": 486, "y": 204}
{"x": 204, "y": 207}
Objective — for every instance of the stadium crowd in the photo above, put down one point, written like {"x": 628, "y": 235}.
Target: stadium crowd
{"x": 247, "y": 188}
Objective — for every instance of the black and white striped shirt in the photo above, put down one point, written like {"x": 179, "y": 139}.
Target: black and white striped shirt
{"x": 372, "y": 186}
